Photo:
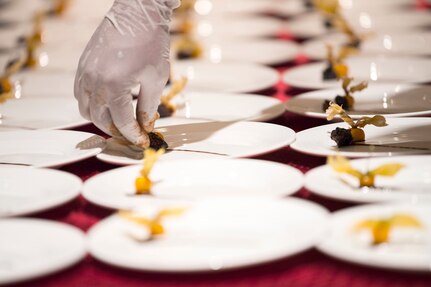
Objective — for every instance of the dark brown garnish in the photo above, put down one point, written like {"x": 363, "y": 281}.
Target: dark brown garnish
{"x": 165, "y": 110}
{"x": 343, "y": 137}
{"x": 157, "y": 142}
{"x": 329, "y": 73}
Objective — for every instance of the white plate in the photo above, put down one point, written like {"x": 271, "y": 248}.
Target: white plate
{"x": 194, "y": 180}
{"x": 312, "y": 24}
{"x": 400, "y": 137}
{"x": 278, "y": 7}
{"x": 248, "y": 26}
{"x": 411, "y": 184}
{"x": 260, "y": 51}
{"x": 27, "y": 190}
{"x": 223, "y": 107}
{"x": 40, "y": 113}
{"x": 41, "y": 83}
{"x": 215, "y": 235}
{"x": 48, "y": 148}
{"x": 31, "y": 248}
{"x": 225, "y": 77}
{"x": 373, "y": 69}
{"x": 409, "y": 250}
{"x": 214, "y": 139}
{"x": 384, "y": 99}
{"x": 414, "y": 43}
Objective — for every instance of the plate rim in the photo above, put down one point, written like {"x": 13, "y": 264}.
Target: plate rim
{"x": 310, "y": 244}
{"x": 59, "y": 163}
{"x": 292, "y": 137}
{"x": 87, "y": 193}
{"x": 322, "y": 115}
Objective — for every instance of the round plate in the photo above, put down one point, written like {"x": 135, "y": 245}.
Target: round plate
{"x": 401, "y": 136}
{"x": 29, "y": 113}
{"x": 27, "y": 190}
{"x": 194, "y": 180}
{"x": 373, "y": 69}
{"x": 312, "y": 24}
{"x": 413, "y": 43}
{"x": 41, "y": 83}
{"x": 48, "y": 148}
{"x": 212, "y": 139}
{"x": 409, "y": 185}
{"x": 223, "y": 77}
{"x": 206, "y": 239}
{"x": 260, "y": 51}
{"x": 408, "y": 250}
{"x": 213, "y": 107}
{"x": 31, "y": 248}
{"x": 389, "y": 100}
{"x": 242, "y": 26}
{"x": 278, "y": 7}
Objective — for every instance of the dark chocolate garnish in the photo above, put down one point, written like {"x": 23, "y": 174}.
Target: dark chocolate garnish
{"x": 329, "y": 73}
{"x": 157, "y": 142}
{"x": 165, "y": 111}
{"x": 343, "y": 137}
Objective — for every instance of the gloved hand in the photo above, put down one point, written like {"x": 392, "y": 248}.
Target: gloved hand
{"x": 130, "y": 47}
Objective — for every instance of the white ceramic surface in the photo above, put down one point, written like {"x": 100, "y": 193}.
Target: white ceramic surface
{"x": 40, "y": 113}
{"x": 205, "y": 239}
{"x": 27, "y": 190}
{"x": 401, "y": 136}
{"x": 413, "y": 43}
{"x": 194, "y": 180}
{"x": 411, "y": 184}
{"x": 31, "y": 248}
{"x": 213, "y": 139}
{"x": 390, "y": 100}
{"x": 382, "y": 69}
{"x": 222, "y": 107}
{"x": 48, "y": 148}
{"x": 408, "y": 250}
{"x": 225, "y": 77}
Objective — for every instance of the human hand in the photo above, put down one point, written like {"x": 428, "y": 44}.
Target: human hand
{"x": 129, "y": 48}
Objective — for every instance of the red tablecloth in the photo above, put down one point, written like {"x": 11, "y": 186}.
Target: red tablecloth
{"x": 310, "y": 268}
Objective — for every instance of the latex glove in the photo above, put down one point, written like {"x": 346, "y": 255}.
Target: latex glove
{"x": 130, "y": 47}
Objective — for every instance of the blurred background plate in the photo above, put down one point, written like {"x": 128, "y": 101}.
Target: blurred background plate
{"x": 41, "y": 113}
{"x": 389, "y": 100}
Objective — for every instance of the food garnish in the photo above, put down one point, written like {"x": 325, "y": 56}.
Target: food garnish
{"x": 152, "y": 223}
{"x": 334, "y": 19}
{"x": 341, "y": 164}
{"x": 143, "y": 182}
{"x": 345, "y": 137}
{"x": 347, "y": 101}
{"x": 187, "y": 48}
{"x": 336, "y": 68}
{"x": 33, "y": 42}
{"x": 6, "y": 85}
{"x": 381, "y": 228}
{"x": 166, "y": 108}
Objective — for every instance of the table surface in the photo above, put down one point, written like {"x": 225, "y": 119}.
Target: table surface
{"x": 310, "y": 268}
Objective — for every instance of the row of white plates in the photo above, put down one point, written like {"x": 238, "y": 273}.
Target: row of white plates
{"x": 203, "y": 239}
